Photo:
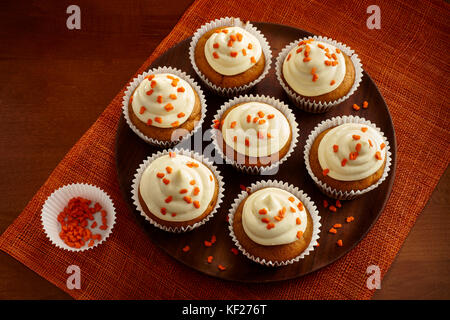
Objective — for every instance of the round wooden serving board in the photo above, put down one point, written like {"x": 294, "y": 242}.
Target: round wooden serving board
{"x": 131, "y": 151}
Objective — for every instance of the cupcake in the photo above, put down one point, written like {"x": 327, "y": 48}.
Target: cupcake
{"x": 318, "y": 72}
{"x": 229, "y": 55}
{"x": 255, "y": 132}
{"x": 164, "y": 106}
{"x": 347, "y": 155}
{"x": 274, "y": 224}
{"x": 177, "y": 190}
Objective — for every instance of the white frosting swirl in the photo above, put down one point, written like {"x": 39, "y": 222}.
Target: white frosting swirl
{"x": 232, "y": 50}
{"x": 165, "y": 99}
{"x": 256, "y": 129}
{"x": 271, "y": 201}
{"x": 314, "y": 68}
{"x": 367, "y": 145}
{"x": 178, "y": 185}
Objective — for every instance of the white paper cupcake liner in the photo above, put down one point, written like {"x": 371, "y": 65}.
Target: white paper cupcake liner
{"x": 321, "y": 106}
{"x": 333, "y": 122}
{"x": 226, "y": 22}
{"x": 133, "y": 85}
{"x": 303, "y": 197}
{"x": 59, "y": 199}
{"x": 196, "y": 156}
{"x": 283, "y": 108}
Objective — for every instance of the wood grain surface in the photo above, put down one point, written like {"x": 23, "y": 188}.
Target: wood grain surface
{"x": 56, "y": 82}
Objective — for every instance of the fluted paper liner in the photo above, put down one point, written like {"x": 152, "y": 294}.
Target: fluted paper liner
{"x": 303, "y": 197}
{"x": 59, "y": 199}
{"x": 196, "y": 156}
{"x": 231, "y": 22}
{"x": 320, "y": 106}
{"x": 333, "y": 122}
{"x": 133, "y": 85}
{"x": 282, "y": 107}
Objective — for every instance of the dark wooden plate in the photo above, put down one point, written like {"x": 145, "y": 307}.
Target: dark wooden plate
{"x": 131, "y": 151}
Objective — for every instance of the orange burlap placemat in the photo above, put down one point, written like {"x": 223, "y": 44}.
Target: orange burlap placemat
{"x": 407, "y": 58}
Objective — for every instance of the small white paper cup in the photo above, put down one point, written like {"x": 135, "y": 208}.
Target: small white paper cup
{"x": 333, "y": 122}
{"x": 133, "y": 85}
{"x": 59, "y": 199}
{"x": 196, "y": 156}
{"x": 280, "y": 106}
{"x": 303, "y": 197}
{"x": 228, "y": 22}
{"x": 320, "y": 106}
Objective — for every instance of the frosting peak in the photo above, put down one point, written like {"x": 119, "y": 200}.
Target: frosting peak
{"x": 313, "y": 68}
{"x": 163, "y": 100}
{"x": 232, "y": 50}
{"x": 273, "y": 216}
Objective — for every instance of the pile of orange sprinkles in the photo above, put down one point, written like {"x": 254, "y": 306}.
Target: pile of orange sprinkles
{"x": 231, "y": 40}
{"x": 74, "y": 221}
{"x": 336, "y": 226}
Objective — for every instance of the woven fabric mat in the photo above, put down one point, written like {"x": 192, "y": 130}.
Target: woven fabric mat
{"x": 408, "y": 61}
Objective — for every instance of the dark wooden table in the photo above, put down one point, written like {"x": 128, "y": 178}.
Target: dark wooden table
{"x": 55, "y": 82}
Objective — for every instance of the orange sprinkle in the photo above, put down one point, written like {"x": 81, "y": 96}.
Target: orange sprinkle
{"x": 325, "y": 203}
{"x": 149, "y": 92}
{"x": 339, "y": 243}
{"x": 277, "y": 218}
{"x": 168, "y": 199}
{"x": 356, "y": 137}
{"x": 353, "y": 155}
{"x": 299, "y": 234}
{"x": 292, "y": 209}
{"x": 288, "y": 57}
{"x": 265, "y": 220}
{"x": 335, "y": 148}
{"x": 239, "y": 36}
{"x": 300, "y": 206}
{"x": 142, "y": 110}
{"x": 210, "y": 259}
{"x": 338, "y": 50}
{"x": 338, "y": 204}
{"x": 262, "y": 211}
{"x": 216, "y": 45}
{"x": 250, "y": 46}
{"x": 315, "y": 77}
{"x": 321, "y": 46}
{"x": 249, "y": 118}
{"x": 175, "y": 124}
{"x": 170, "y": 77}
{"x": 332, "y": 209}
{"x": 334, "y": 56}
{"x": 159, "y": 99}
{"x": 153, "y": 84}
{"x": 370, "y": 143}
{"x": 175, "y": 82}
{"x": 233, "y": 124}
{"x": 349, "y": 219}
{"x": 365, "y": 104}
{"x": 232, "y": 37}
{"x": 327, "y": 63}
{"x": 181, "y": 115}
{"x": 261, "y": 114}
{"x": 234, "y": 251}
{"x": 233, "y": 54}
{"x": 158, "y": 119}
{"x": 382, "y": 146}
{"x": 168, "y": 107}
{"x": 192, "y": 165}
{"x": 187, "y": 199}
{"x": 169, "y": 169}
{"x": 364, "y": 129}
{"x": 270, "y": 116}
{"x": 325, "y": 171}
{"x": 313, "y": 71}
{"x": 378, "y": 155}
{"x": 172, "y": 154}
{"x": 160, "y": 175}
{"x": 196, "y": 191}
{"x": 337, "y": 226}
{"x": 150, "y": 77}
{"x": 356, "y": 107}
{"x": 207, "y": 243}
{"x": 252, "y": 60}
{"x": 332, "y": 82}
{"x": 244, "y": 53}
{"x": 332, "y": 230}
{"x": 306, "y": 59}
{"x": 163, "y": 211}
{"x": 262, "y": 121}
{"x": 343, "y": 162}
{"x": 192, "y": 182}
{"x": 255, "y": 119}
{"x": 269, "y": 135}
{"x": 196, "y": 204}
{"x": 225, "y": 31}
{"x": 328, "y": 55}
{"x": 166, "y": 181}
{"x": 247, "y": 142}
{"x": 173, "y": 96}
{"x": 215, "y": 55}
{"x": 298, "y": 221}
{"x": 358, "y": 147}
{"x": 210, "y": 177}
{"x": 186, "y": 249}
{"x": 333, "y": 63}
{"x": 270, "y": 225}
{"x": 183, "y": 191}
{"x": 299, "y": 50}
{"x": 291, "y": 199}
{"x": 180, "y": 89}
{"x": 221, "y": 267}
